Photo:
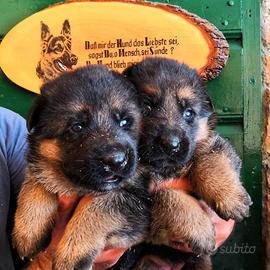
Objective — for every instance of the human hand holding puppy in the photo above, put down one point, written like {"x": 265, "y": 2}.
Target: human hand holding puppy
{"x": 66, "y": 206}
{"x": 109, "y": 257}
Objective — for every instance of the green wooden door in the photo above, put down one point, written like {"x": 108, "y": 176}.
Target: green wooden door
{"x": 236, "y": 95}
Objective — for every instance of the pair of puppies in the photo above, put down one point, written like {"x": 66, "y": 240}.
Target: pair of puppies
{"x": 83, "y": 141}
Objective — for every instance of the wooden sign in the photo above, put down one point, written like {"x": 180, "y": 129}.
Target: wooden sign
{"x": 114, "y": 33}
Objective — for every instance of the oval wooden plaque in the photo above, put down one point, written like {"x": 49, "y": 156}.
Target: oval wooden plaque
{"x": 115, "y": 33}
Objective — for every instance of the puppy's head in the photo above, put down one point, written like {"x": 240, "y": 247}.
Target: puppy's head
{"x": 84, "y": 125}
{"x": 177, "y": 112}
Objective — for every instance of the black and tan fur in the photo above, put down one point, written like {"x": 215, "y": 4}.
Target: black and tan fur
{"x": 83, "y": 140}
{"x": 178, "y": 140}
{"x": 56, "y": 54}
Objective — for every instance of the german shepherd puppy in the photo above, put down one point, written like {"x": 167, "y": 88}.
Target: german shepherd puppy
{"x": 83, "y": 140}
{"x": 56, "y": 55}
{"x": 178, "y": 140}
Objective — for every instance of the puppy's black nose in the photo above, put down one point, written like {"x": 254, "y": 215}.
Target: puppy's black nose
{"x": 116, "y": 160}
{"x": 170, "y": 142}
{"x": 174, "y": 142}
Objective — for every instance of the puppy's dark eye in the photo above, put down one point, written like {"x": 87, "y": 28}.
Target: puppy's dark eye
{"x": 124, "y": 122}
{"x": 77, "y": 127}
{"x": 188, "y": 114}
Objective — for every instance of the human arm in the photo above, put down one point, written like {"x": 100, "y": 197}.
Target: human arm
{"x": 13, "y": 145}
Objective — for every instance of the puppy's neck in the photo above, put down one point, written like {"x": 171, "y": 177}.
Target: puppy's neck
{"x": 168, "y": 180}
{"x": 164, "y": 174}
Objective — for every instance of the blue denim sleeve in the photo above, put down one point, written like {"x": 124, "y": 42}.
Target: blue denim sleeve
{"x": 13, "y": 146}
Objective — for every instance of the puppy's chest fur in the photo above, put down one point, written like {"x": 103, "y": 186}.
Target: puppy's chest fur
{"x": 129, "y": 207}
{"x": 154, "y": 179}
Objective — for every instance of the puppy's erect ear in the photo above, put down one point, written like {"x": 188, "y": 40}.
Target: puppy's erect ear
{"x": 35, "y": 112}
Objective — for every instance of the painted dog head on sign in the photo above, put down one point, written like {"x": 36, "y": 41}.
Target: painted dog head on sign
{"x": 56, "y": 55}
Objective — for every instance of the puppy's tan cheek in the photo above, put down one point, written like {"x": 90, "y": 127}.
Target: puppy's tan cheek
{"x": 50, "y": 150}
{"x": 203, "y": 130}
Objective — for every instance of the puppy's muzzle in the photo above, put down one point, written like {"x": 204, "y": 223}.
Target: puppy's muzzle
{"x": 118, "y": 160}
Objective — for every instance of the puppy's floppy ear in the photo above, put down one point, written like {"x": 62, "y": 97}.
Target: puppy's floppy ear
{"x": 129, "y": 70}
{"x": 129, "y": 74}
{"x": 35, "y": 112}
{"x": 38, "y": 106}
{"x": 207, "y": 107}
{"x": 209, "y": 112}
{"x": 133, "y": 74}
{"x": 48, "y": 89}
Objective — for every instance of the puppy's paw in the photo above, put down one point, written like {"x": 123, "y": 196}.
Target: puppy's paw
{"x": 201, "y": 238}
{"x": 67, "y": 265}
{"x": 179, "y": 219}
{"x": 25, "y": 251}
{"x": 199, "y": 241}
{"x": 197, "y": 234}
{"x": 26, "y": 245}
{"x": 70, "y": 262}
{"x": 234, "y": 205}
{"x": 61, "y": 266}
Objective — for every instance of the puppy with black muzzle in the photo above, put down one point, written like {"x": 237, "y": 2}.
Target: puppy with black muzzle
{"x": 178, "y": 140}
{"x": 83, "y": 140}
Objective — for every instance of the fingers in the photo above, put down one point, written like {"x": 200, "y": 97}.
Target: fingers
{"x": 67, "y": 202}
{"x": 182, "y": 246}
{"x": 66, "y": 206}
{"x": 223, "y": 228}
{"x": 108, "y": 258}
